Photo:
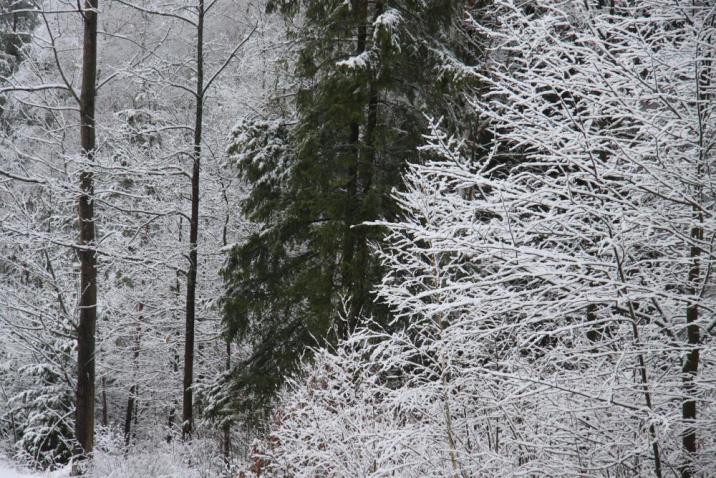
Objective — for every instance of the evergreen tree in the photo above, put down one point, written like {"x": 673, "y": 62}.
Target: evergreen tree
{"x": 16, "y": 24}
{"x": 367, "y": 73}
{"x": 42, "y": 414}
{"x": 17, "y": 21}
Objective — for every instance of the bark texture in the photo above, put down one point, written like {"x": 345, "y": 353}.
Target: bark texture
{"x": 84, "y": 419}
{"x": 187, "y": 406}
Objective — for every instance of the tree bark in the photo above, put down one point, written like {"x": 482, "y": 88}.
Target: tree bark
{"x": 105, "y": 416}
{"x": 690, "y": 366}
{"x": 170, "y": 421}
{"x": 366, "y": 165}
{"x": 227, "y": 423}
{"x": 690, "y": 369}
{"x": 84, "y": 418}
{"x": 348, "y": 266}
{"x": 128, "y": 417}
{"x": 187, "y": 406}
{"x": 133, "y": 389}
{"x": 356, "y": 252}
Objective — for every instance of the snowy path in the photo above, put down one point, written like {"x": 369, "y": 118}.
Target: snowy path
{"x": 7, "y": 470}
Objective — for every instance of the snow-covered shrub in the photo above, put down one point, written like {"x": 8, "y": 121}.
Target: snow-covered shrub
{"x": 381, "y": 404}
{"x": 43, "y": 413}
{"x": 155, "y": 458}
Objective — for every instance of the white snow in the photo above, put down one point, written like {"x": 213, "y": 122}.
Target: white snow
{"x": 8, "y": 470}
{"x": 357, "y": 62}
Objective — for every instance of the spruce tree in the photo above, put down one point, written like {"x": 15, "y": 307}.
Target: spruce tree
{"x": 367, "y": 73}
{"x": 45, "y": 411}
{"x": 16, "y": 24}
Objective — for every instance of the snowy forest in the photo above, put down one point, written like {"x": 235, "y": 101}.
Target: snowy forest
{"x": 357, "y": 238}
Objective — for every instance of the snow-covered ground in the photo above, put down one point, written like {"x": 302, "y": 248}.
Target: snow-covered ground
{"x": 7, "y": 470}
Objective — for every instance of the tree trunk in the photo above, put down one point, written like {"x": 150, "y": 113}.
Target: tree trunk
{"x": 227, "y": 423}
{"x": 171, "y": 416}
{"x": 349, "y": 273}
{"x": 690, "y": 369}
{"x": 366, "y": 165}
{"x": 84, "y": 418}
{"x": 170, "y": 421}
{"x": 132, "y": 398}
{"x": 690, "y": 366}
{"x": 187, "y": 406}
{"x": 105, "y": 417}
{"x": 128, "y": 417}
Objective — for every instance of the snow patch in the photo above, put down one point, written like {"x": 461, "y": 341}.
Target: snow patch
{"x": 357, "y": 62}
{"x": 7, "y": 470}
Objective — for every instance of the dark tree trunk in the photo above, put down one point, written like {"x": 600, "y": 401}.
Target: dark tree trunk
{"x": 690, "y": 365}
{"x": 84, "y": 418}
{"x": 133, "y": 389}
{"x": 105, "y": 417}
{"x": 175, "y": 361}
{"x": 361, "y": 287}
{"x": 187, "y": 406}
{"x": 227, "y": 424}
{"x": 136, "y": 412}
{"x": 349, "y": 273}
{"x": 357, "y": 252}
{"x": 128, "y": 417}
{"x": 170, "y": 421}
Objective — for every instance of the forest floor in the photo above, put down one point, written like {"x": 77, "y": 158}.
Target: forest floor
{"x": 8, "y": 470}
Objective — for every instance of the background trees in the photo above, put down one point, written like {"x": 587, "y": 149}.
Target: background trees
{"x": 142, "y": 164}
{"x": 17, "y": 23}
